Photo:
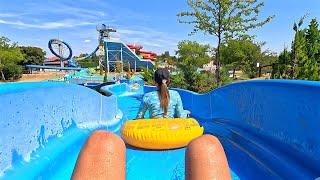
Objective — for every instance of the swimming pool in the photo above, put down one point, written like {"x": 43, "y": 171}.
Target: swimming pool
{"x": 257, "y": 144}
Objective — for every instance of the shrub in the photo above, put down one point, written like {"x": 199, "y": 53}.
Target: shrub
{"x": 12, "y": 71}
{"x": 88, "y": 64}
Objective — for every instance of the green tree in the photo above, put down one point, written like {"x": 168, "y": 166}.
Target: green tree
{"x": 5, "y": 43}
{"x": 32, "y": 55}
{"x": 166, "y": 57}
{"x": 281, "y": 69}
{"x": 313, "y": 40}
{"x": 269, "y": 57}
{"x": 232, "y": 55}
{"x": 244, "y": 55}
{"x": 12, "y": 71}
{"x": 305, "y": 54}
{"x": 300, "y": 56}
{"x": 192, "y": 54}
{"x": 178, "y": 81}
{"x": 224, "y": 19}
{"x": 191, "y": 57}
{"x": 148, "y": 75}
{"x": 311, "y": 66}
{"x": 305, "y": 49}
{"x": 89, "y": 62}
{"x": 10, "y": 56}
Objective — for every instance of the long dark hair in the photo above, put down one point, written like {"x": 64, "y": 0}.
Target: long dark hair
{"x": 164, "y": 96}
{"x": 161, "y": 76}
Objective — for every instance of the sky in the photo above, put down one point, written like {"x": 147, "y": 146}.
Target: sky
{"x": 152, "y": 24}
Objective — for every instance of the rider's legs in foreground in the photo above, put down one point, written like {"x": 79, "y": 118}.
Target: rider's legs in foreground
{"x": 103, "y": 156}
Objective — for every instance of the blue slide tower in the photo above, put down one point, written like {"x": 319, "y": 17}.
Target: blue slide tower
{"x": 115, "y": 50}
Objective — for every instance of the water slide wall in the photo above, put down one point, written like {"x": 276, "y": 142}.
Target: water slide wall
{"x": 33, "y": 113}
{"x": 269, "y": 129}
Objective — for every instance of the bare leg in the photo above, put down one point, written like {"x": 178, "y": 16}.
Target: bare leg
{"x": 205, "y": 159}
{"x": 103, "y": 156}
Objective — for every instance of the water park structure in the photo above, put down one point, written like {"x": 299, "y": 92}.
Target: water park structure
{"x": 116, "y": 51}
{"x": 62, "y": 56}
{"x": 110, "y": 52}
{"x": 143, "y": 54}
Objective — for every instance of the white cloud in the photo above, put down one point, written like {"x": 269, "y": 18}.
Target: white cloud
{"x": 152, "y": 39}
{"x": 131, "y": 32}
{"x": 46, "y": 25}
{"x": 72, "y": 9}
{"x": 76, "y": 12}
{"x": 152, "y": 44}
{"x": 52, "y": 15}
{"x": 6, "y": 15}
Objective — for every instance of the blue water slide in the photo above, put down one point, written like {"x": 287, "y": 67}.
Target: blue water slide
{"x": 89, "y": 55}
{"x": 118, "y": 50}
{"x": 71, "y": 61}
{"x": 269, "y": 129}
{"x": 270, "y": 126}
{"x": 35, "y": 116}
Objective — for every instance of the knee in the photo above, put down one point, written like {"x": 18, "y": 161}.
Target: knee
{"x": 207, "y": 143}
{"x": 105, "y": 140}
{"x": 102, "y": 157}
{"x": 205, "y": 157}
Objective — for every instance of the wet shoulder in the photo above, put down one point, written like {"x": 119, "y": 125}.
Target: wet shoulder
{"x": 150, "y": 95}
{"x": 173, "y": 93}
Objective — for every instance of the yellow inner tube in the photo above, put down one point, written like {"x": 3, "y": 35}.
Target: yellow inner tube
{"x": 168, "y": 133}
